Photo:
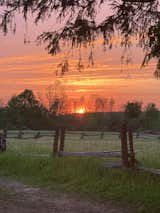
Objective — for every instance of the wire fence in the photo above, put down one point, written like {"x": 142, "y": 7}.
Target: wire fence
{"x": 91, "y": 142}
{"x": 40, "y": 143}
{"x": 147, "y": 148}
{"x": 34, "y": 143}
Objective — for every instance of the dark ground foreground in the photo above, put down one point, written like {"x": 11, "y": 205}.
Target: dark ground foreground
{"x": 16, "y": 197}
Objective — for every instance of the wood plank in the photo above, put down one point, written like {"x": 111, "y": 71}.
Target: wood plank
{"x": 112, "y": 164}
{"x": 151, "y": 170}
{"x": 94, "y": 154}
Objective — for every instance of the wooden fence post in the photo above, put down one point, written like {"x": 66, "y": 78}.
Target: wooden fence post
{"x": 55, "y": 143}
{"x": 132, "y": 154}
{"x": 82, "y": 135}
{"x": 2, "y": 143}
{"x": 5, "y": 133}
{"x": 62, "y": 139}
{"x": 124, "y": 146}
{"x": 101, "y": 135}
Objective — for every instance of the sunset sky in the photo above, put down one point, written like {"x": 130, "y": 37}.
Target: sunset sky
{"x": 29, "y": 66}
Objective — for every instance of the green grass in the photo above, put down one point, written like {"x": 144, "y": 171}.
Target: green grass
{"x": 42, "y": 145}
{"x": 87, "y": 177}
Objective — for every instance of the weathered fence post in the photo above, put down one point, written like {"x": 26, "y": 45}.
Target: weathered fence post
{"x": 5, "y": 133}
{"x": 20, "y": 135}
{"x": 132, "y": 154}
{"x": 124, "y": 146}
{"x": 101, "y": 135}
{"x": 2, "y": 142}
{"x": 55, "y": 143}
{"x": 62, "y": 139}
{"x": 82, "y": 135}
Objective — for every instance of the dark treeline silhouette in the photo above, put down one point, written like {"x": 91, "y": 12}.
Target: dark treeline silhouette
{"x": 25, "y": 111}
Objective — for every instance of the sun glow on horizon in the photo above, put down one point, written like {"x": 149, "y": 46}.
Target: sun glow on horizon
{"x": 81, "y": 110}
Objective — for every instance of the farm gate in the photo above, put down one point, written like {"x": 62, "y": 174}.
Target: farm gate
{"x": 88, "y": 143}
{"x": 97, "y": 144}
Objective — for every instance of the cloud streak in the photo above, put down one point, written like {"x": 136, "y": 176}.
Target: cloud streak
{"x": 108, "y": 77}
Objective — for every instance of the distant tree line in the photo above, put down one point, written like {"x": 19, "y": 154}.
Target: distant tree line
{"x": 27, "y": 111}
{"x": 138, "y": 119}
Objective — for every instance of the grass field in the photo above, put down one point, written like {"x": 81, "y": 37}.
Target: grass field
{"x": 86, "y": 175}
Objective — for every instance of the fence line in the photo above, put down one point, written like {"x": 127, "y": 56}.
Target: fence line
{"x": 147, "y": 146}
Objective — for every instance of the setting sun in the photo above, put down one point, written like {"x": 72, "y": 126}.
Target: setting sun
{"x": 81, "y": 110}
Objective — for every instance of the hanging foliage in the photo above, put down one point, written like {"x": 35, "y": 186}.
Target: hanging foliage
{"x": 130, "y": 18}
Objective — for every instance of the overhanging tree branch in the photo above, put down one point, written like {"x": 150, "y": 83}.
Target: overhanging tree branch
{"x": 130, "y": 18}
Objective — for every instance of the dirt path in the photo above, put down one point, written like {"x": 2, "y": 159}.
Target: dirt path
{"x": 16, "y": 197}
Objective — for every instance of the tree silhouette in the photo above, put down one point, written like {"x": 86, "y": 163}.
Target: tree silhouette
{"x": 132, "y": 112}
{"x": 25, "y": 111}
{"x": 130, "y": 18}
{"x": 133, "y": 109}
{"x": 111, "y": 104}
{"x": 100, "y": 104}
{"x": 151, "y": 115}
